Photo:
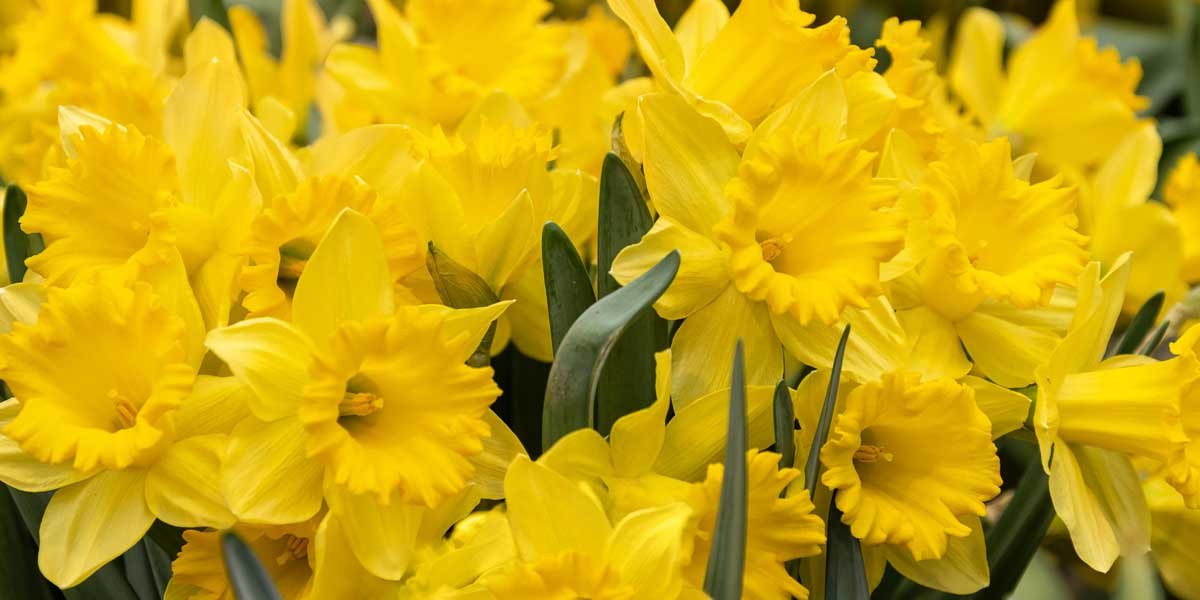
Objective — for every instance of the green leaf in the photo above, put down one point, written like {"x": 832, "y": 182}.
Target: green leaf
{"x": 627, "y": 384}
{"x": 785, "y": 426}
{"x": 1155, "y": 339}
{"x": 812, "y": 467}
{"x": 568, "y": 286}
{"x": 575, "y": 374}
{"x": 1141, "y": 324}
{"x": 213, "y": 9}
{"x": 1012, "y": 542}
{"x": 19, "y": 573}
{"x": 18, "y": 245}
{"x": 247, "y": 576}
{"x": 845, "y": 571}
{"x": 459, "y": 287}
{"x": 168, "y": 537}
{"x": 727, "y": 560}
{"x": 139, "y": 574}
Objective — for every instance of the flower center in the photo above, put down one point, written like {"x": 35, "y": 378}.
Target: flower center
{"x": 773, "y": 247}
{"x": 295, "y": 548}
{"x": 359, "y": 404}
{"x": 869, "y": 453}
{"x": 125, "y": 408}
{"x": 293, "y": 256}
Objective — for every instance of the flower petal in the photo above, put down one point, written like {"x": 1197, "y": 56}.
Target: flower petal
{"x": 24, "y": 472}
{"x": 876, "y": 344}
{"x": 183, "y": 487}
{"x": 90, "y": 523}
{"x": 975, "y": 68}
{"x": 268, "y": 477}
{"x": 271, "y": 357}
{"x": 646, "y": 548}
{"x": 695, "y": 437}
{"x": 1091, "y": 532}
{"x": 550, "y": 514}
{"x": 216, "y": 405}
{"x": 500, "y": 448}
{"x": 963, "y": 570}
{"x": 382, "y": 537}
{"x": 702, "y": 268}
{"x": 1006, "y": 409}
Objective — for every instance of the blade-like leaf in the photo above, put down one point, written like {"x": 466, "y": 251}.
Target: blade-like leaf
{"x": 247, "y": 576}
{"x": 568, "y": 286}
{"x": 627, "y": 384}
{"x": 459, "y": 287}
{"x": 139, "y": 573}
{"x": 785, "y": 418}
{"x": 727, "y": 560}
{"x": 574, "y": 376}
{"x": 19, "y": 573}
{"x": 1155, "y": 338}
{"x": 1141, "y": 324}
{"x": 845, "y": 571}
{"x": 18, "y": 245}
{"x": 812, "y": 467}
{"x": 1012, "y": 542}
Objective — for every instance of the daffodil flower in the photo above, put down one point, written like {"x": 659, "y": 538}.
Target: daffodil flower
{"x": 1073, "y": 119}
{"x": 345, "y": 407}
{"x": 285, "y": 551}
{"x": 1182, "y": 194}
{"x": 781, "y": 238}
{"x": 1092, "y": 415}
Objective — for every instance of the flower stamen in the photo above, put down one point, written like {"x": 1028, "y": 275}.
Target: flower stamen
{"x": 868, "y": 453}
{"x": 126, "y": 411}
{"x": 359, "y": 404}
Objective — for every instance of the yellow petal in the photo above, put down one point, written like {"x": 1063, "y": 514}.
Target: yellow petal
{"x": 581, "y": 455}
{"x": 90, "y": 523}
{"x": 654, "y": 38}
{"x": 382, "y": 537}
{"x": 345, "y": 279}
{"x": 183, "y": 487}
{"x": 1153, "y": 236}
{"x": 167, "y": 274}
{"x": 1077, "y": 506}
{"x": 20, "y": 303}
{"x": 1006, "y": 409}
{"x": 963, "y": 570}
{"x": 368, "y": 153}
{"x": 335, "y": 564}
{"x": 637, "y": 437}
{"x": 1127, "y": 176}
{"x": 268, "y": 476}
{"x": 695, "y": 437}
{"x": 1008, "y": 343}
{"x": 702, "y": 267}
{"x": 975, "y": 68}
{"x": 688, "y": 162}
{"x": 506, "y": 243}
{"x": 207, "y": 42}
{"x": 276, "y": 171}
{"x": 216, "y": 405}
{"x": 22, "y": 471}
{"x": 201, "y": 123}
{"x": 500, "y": 448}
{"x": 528, "y": 316}
{"x": 700, "y": 23}
{"x": 271, "y": 357}
{"x": 646, "y": 548}
{"x": 876, "y": 344}
{"x": 550, "y": 514}
{"x": 1096, "y": 311}
{"x": 702, "y": 349}
{"x": 901, "y": 159}
{"x": 463, "y": 328}
{"x": 934, "y": 349}
{"x": 821, "y": 106}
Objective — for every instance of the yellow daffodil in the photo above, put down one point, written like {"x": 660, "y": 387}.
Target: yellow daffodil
{"x": 12, "y": 14}
{"x": 437, "y": 58}
{"x": 567, "y": 547}
{"x": 1118, "y": 217}
{"x": 790, "y": 233}
{"x": 346, "y": 409}
{"x": 1073, "y": 118}
{"x": 285, "y": 551}
{"x": 738, "y": 69}
{"x": 481, "y": 196}
{"x": 1092, "y": 415}
{"x": 282, "y": 91}
{"x": 1175, "y": 528}
{"x": 1182, "y": 193}
{"x": 104, "y": 379}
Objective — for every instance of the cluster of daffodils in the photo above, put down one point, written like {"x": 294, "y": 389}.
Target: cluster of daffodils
{"x": 238, "y": 322}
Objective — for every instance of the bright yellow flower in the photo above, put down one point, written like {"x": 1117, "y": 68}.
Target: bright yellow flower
{"x": 104, "y": 413}
{"x": 1092, "y": 415}
{"x": 793, "y": 231}
{"x": 567, "y": 547}
{"x": 739, "y": 69}
{"x": 896, "y": 483}
{"x": 1182, "y": 194}
{"x": 1062, "y": 97}
{"x": 12, "y": 14}
{"x": 347, "y": 407}
{"x": 286, "y": 552}
{"x": 438, "y": 58}
{"x": 1118, "y": 215}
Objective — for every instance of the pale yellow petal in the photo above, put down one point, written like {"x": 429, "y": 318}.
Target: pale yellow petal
{"x": 975, "y": 67}
{"x": 528, "y": 316}
{"x": 183, "y": 487}
{"x": 276, "y": 170}
{"x": 963, "y": 570}
{"x": 500, "y": 448}
{"x": 382, "y": 537}
{"x": 934, "y": 349}
{"x": 1006, "y": 409}
{"x": 700, "y": 23}
{"x": 876, "y": 344}
{"x": 335, "y": 564}
{"x": 637, "y": 437}
{"x": 1117, "y": 486}
{"x": 268, "y": 476}
{"x": 201, "y": 123}
{"x": 505, "y": 244}
{"x": 582, "y": 454}
{"x": 647, "y": 548}
{"x": 1077, "y": 506}
{"x": 550, "y": 514}
{"x": 695, "y": 436}
{"x": 216, "y": 405}
{"x": 271, "y": 357}
{"x": 90, "y": 523}
{"x": 702, "y": 267}
{"x": 22, "y": 471}
{"x": 368, "y": 152}
{"x": 345, "y": 279}
{"x": 168, "y": 276}
{"x": 658, "y": 45}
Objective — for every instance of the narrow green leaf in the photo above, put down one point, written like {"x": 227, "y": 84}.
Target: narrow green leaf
{"x": 213, "y": 9}
{"x": 1012, "y": 542}
{"x": 575, "y": 374}
{"x": 727, "y": 560}
{"x": 160, "y": 565}
{"x": 247, "y": 576}
{"x": 812, "y": 466}
{"x": 627, "y": 384}
{"x": 459, "y": 287}
{"x": 1155, "y": 339}
{"x": 138, "y": 573}
{"x": 785, "y": 420}
{"x": 19, "y": 573}
{"x": 18, "y": 245}
{"x": 1141, "y": 324}
{"x": 568, "y": 286}
{"x": 845, "y": 571}
{"x": 168, "y": 537}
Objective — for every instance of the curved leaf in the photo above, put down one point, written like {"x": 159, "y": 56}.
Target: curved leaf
{"x": 246, "y": 575}
{"x": 568, "y": 286}
{"x": 845, "y": 571}
{"x": 812, "y": 466}
{"x": 727, "y": 560}
{"x": 575, "y": 374}
{"x": 1012, "y": 542}
{"x": 1141, "y": 324}
{"x": 18, "y": 570}
{"x": 785, "y": 420}
{"x": 459, "y": 287}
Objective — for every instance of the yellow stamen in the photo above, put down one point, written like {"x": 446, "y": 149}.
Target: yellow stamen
{"x": 290, "y": 267}
{"x": 771, "y": 249}
{"x": 868, "y": 453}
{"x": 359, "y": 404}
{"x": 295, "y": 548}
{"x": 126, "y": 411}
